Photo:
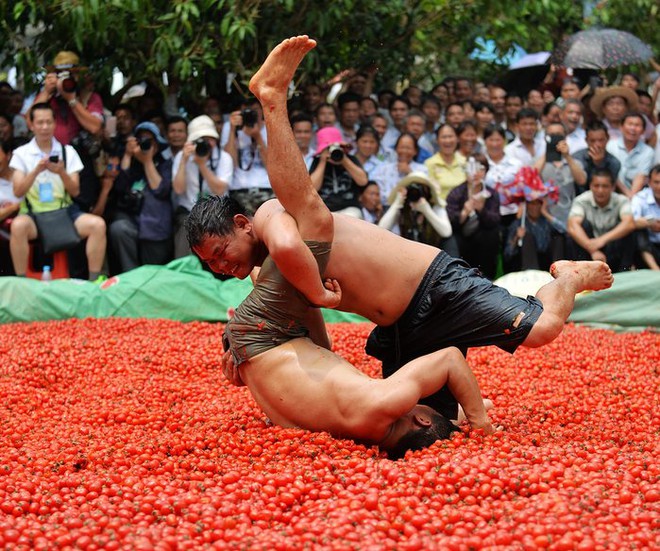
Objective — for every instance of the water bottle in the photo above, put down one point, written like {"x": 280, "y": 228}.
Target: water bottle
{"x": 46, "y": 275}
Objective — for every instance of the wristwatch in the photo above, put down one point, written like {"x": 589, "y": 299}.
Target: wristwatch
{"x": 73, "y": 102}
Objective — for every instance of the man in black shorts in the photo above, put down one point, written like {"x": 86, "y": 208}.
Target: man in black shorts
{"x": 417, "y": 295}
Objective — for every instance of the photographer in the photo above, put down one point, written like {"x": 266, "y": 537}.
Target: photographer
{"x": 141, "y": 227}
{"x": 200, "y": 168}
{"x": 337, "y": 176}
{"x": 244, "y": 138}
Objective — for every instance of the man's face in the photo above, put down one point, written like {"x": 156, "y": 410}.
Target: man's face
{"x": 177, "y": 134}
{"x": 644, "y": 105}
{"x": 432, "y": 111}
{"x": 125, "y": 122}
{"x": 535, "y": 100}
{"x": 570, "y": 90}
{"x": 498, "y": 99}
{"x": 484, "y": 117}
{"x": 654, "y": 184}
{"x": 43, "y": 124}
{"x": 571, "y": 116}
{"x": 630, "y": 81}
{"x": 414, "y": 95}
{"x": 601, "y": 187}
{"x": 326, "y": 117}
{"x": 415, "y": 125}
{"x": 597, "y": 139}
{"x": 380, "y": 125}
{"x": 512, "y": 106}
{"x": 455, "y": 115}
{"x": 463, "y": 90}
{"x": 483, "y": 94}
{"x": 349, "y": 115}
{"x": 398, "y": 112}
{"x": 632, "y": 129}
{"x": 553, "y": 116}
{"x": 614, "y": 109}
{"x": 302, "y": 132}
{"x": 312, "y": 97}
{"x": 232, "y": 254}
{"x": 527, "y": 128}
{"x": 358, "y": 85}
{"x": 367, "y": 109}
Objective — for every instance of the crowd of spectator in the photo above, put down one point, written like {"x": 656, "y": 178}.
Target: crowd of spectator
{"x": 428, "y": 165}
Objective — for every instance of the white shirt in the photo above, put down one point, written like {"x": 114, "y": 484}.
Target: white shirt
{"x": 222, "y": 165}
{"x": 250, "y": 171}
{"x": 517, "y": 150}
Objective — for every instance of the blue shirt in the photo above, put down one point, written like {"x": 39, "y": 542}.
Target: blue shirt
{"x": 638, "y": 160}
{"x": 644, "y": 205}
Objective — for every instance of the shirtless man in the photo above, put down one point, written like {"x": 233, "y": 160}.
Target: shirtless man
{"x": 422, "y": 299}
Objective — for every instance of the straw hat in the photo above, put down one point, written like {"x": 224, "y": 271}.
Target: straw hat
{"x": 65, "y": 61}
{"x": 603, "y": 94}
{"x": 417, "y": 178}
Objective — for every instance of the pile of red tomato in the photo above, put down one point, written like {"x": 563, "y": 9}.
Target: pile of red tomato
{"x": 123, "y": 434}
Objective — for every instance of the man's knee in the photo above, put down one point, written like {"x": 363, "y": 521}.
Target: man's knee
{"x": 546, "y": 329}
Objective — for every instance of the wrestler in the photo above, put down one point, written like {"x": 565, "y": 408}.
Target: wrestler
{"x": 421, "y": 298}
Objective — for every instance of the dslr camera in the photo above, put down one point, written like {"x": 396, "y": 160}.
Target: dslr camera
{"x": 202, "y": 147}
{"x": 67, "y": 81}
{"x": 145, "y": 143}
{"x": 415, "y": 192}
{"x": 336, "y": 153}
{"x": 250, "y": 117}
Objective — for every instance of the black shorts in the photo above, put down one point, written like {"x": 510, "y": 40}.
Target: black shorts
{"x": 454, "y": 306}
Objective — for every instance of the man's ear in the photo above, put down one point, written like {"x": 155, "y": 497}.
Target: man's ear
{"x": 242, "y": 222}
{"x": 422, "y": 419}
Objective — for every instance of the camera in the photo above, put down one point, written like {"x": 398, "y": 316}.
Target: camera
{"x": 595, "y": 81}
{"x": 69, "y": 83}
{"x": 145, "y": 143}
{"x": 551, "y": 153}
{"x": 336, "y": 153}
{"x": 415, "y": 192}
{"x": 54, "y": 159}
{"x": 249, "y": 117}
{"x": 202, "y": 147}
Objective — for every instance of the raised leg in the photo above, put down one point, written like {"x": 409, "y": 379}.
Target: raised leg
{"x": 558, "y": 296}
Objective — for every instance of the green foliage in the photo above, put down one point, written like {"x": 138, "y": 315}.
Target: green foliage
{"x": 198, "y": 41}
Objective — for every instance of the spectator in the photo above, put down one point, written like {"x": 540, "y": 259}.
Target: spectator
{"x": 570, "y": 89}
{"x": 245, "y": 139}
{"x": 646, "y": 213}
{"x": 176, "y": 130}
{"x": 645, "y": 106}
{"x": 414, "y": 96}
{"x": 558, "y": 166}
{"x": 367, "y": 145}
{"x": 380, "y": 124}
{"x": 610, "y": 105}
{"x": 302, "y": 126}
{"x": 6, "y": 128}
{"x": 463, "y": 89}
{"x": 312, "y": 98}
{"x": 551, "y": 114}
{"x": 595, "y": 156}
{"x": 125, "y": 122}
{"x": 14, "y": 110}
{"x": 469, "y": 109}
{"x": 529, "y": 145}
{"x": 48, "y": 186}
{"x": 454, "y": 114}
{"x": 512, "y": 106}
{"x": 370, "y": 205}
{"x": 349, "y": 117}
{"x": 200, "y": 168}
{"x": 498, "y": 100}
{"x": 528, "y": 247}
{"x": 141, "y": 227}
{"x": 390, "y": 173}
{"x": 468, "y": 143}
{"x": 474, "y": 213}
{"x": 600, "y": 225}
{"x": 417, "y": 213}
{"x": 325, "y": 116}
{"x": 481, "y": 93}
{"x": 398, "y": 110}
{"x": 571, "y": 117}
{"x": 635, "y": 156}
{"x": 416, "y": 125}
{"x": 432, "y": 110}
{"x": 630, "y": 80}
{"x": 9, "y": 203}
{"x": 535, "y": 101}
{"x": 337, "y": 176}
{"x": 441, "y": 92}
{"x": 368, "y": 108}
{"x": 484, "y": 116}
{"x": 446, "y": 168}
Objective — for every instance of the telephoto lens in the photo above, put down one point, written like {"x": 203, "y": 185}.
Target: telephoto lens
{"x": 202, "y": 148}
{"x": 68, "y": 82}
{"x": 336, "y": 153}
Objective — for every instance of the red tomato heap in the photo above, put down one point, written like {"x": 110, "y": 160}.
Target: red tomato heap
{"x": 123, "y": 434}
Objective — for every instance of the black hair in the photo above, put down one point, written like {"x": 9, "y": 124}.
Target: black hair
{"x": 369, "y": 98}
{"x": 494, "y": 129}
{"x": 7, "y": 146}
{"x": 301, "y": 117}
{"x": 212, "y": 216}
{"x": 481, "y": 105}
{"x": 8, "y": 118}
{"x": 368, "y": 185}
{"x": 41, "y": 106}
{"x": 464, "y": 126}
{"x": 548, "y": 107}
{"x": 454, "y": 104}
{"x": 527, "y": 113}
{"x": 417, "y": 439}
{"x": 409, "y": 135}
{"x": 633, "y": 75}
{"x": 603, "y": 172}
{"x": 655, "y": 169}
{"x": 635, "y": 115}
{"x": 126, "y": 107}
{"x": 445, "y": 125}
{"x": 513, "y": 95}
{"x": 430, "y": 98}
{"x": 395, "y": 99}
{"x": 643, "y": 94}
{"x": 322, "y": 105}
{"x": 175, "y": 119}
{"x": 367, "y": 129}
{"x": 347, "y": 97}
{"x": 595, "y": 126}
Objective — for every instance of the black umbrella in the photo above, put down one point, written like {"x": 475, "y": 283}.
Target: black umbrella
{"x": 600, "y": 49}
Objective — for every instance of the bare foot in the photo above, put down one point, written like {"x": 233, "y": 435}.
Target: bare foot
{"x": 271, "y": 81}
{"x": 586, "y": 275}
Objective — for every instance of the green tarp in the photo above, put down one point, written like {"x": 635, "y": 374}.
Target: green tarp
{"x": 183, "y": 291}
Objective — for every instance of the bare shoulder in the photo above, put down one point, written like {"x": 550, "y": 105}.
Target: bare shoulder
{"x": 265, "y": 213}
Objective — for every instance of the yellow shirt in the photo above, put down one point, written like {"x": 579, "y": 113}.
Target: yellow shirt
{"x": 446, "y": 176}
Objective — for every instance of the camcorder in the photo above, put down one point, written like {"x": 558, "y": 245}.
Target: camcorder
{"x": 336, "y": 153}
{"x": 202, "y": 147}
{"x": 250, "y": 117}
{"x": 67, "y": 81}
{"x": 415, "y": 192}
{"x": 145, "y": 143}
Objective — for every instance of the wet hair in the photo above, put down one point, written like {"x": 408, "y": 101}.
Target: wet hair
{"x": 212, "y": 216}
{"x": 417, "y": 439}
{"x": 42, "y": 106}
{"x": 367, "y": 130}
{"x": 494, "y": 129}
{"x": 634, "y": 115}
{"x": 527, "y": 113}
